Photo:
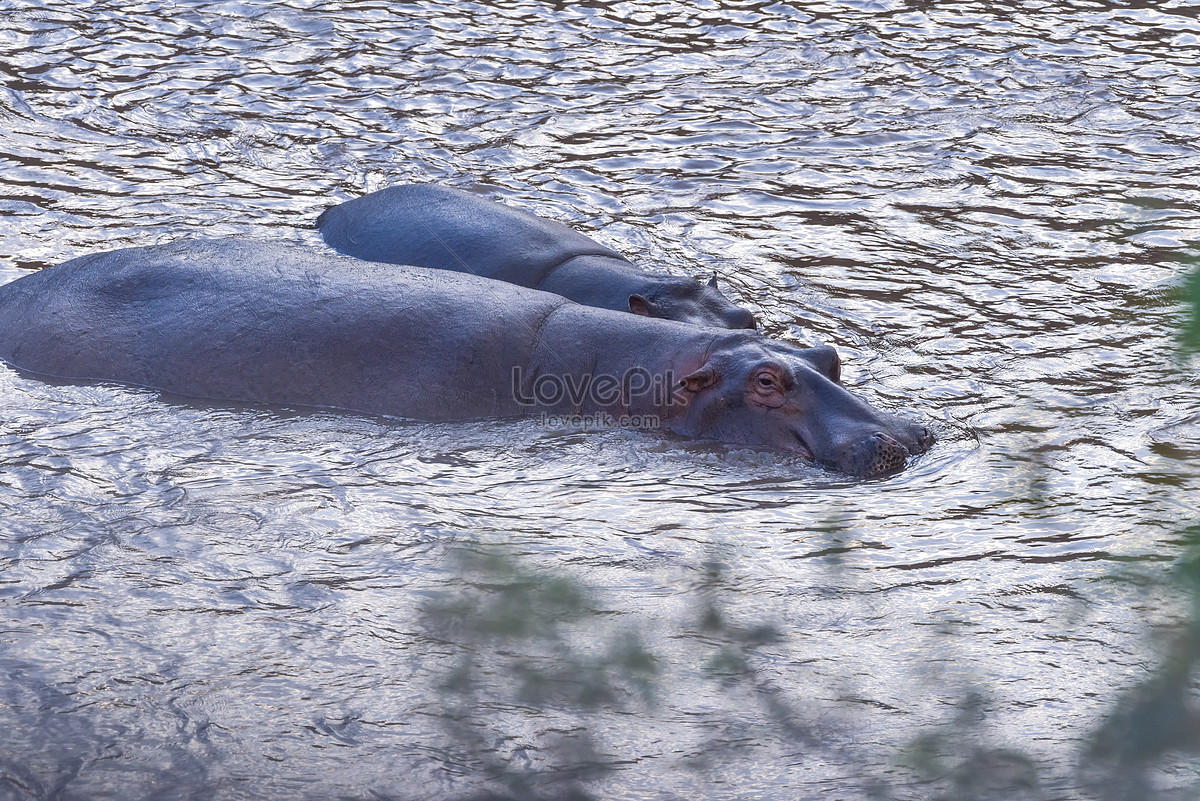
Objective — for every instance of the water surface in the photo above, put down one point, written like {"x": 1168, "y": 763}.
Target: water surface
{"x": 984, "y": 207}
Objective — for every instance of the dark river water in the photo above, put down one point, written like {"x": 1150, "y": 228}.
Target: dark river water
{"x": 986, "y": 207}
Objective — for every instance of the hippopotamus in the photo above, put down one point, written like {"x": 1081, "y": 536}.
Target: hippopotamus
{"x": 264, "y": 322}
{"x": 427, "y": 225}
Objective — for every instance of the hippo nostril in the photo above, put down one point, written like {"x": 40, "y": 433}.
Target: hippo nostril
{"x": 878, "y": 454}
{"x": 925, "y": 438}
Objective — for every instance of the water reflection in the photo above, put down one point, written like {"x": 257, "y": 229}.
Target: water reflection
{"x": 982, "y": 208}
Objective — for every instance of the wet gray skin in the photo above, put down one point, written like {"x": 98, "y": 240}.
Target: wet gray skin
{"x": 268, "y": 322}
{"x": 443, "y": 228}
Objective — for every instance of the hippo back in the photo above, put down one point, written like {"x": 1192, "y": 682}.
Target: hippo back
{"x": 269, "y": 322}
{"x": 449, "y": 229}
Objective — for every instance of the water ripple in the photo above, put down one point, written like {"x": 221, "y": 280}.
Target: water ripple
{"x": 986, "y": 208}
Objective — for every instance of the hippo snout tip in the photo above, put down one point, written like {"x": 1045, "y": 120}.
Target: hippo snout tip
{"x": 877, "y": 455}
{"x": 881, "y": 454}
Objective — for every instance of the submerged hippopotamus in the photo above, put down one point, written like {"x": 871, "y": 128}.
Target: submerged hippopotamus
{"x": 266, "y": 322}
{"x": 448, "y": 229}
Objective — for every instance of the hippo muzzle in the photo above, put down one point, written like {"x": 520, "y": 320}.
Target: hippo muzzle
{"x": 880, "y": 453}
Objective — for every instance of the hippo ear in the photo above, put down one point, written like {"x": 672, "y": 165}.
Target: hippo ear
{"x": 827, "y": 361}
{"x": 639, "y": 305}
{"x": 703, "y": 378}
{"x": 712, "y": 282}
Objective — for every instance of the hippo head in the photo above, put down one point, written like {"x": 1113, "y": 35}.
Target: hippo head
{"x": 753, "y": 391}
{"x": 690, "y": 301}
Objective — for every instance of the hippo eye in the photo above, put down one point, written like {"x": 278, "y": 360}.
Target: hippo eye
{"x": 766, "y": 389}
{"x": 767, "y": 383}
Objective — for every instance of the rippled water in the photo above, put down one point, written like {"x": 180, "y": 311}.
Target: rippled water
{"x": 984, "y": 207}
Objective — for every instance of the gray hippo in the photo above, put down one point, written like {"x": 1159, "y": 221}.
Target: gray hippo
{"x": 265, "y": 322}
{"x": 448, "y": 229}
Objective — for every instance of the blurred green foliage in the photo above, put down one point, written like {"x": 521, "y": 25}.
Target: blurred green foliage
{"x": 526, "y": 641}
{"x": 1157, "y": 719}
{"x": 1191, "y": 296}
{"x": 955, "y": 762}
{"x": 534, "y": 644}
